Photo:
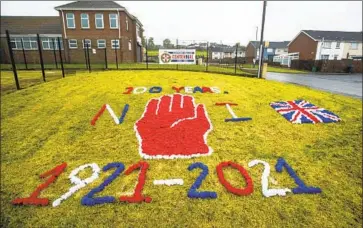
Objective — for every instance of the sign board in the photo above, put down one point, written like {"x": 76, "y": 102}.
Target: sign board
{"x": 93, "y": 51}
{"x": 177, "y": 56}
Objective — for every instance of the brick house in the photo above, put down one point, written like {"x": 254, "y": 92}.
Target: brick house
{"x": 99, "y": 25}
{"x": 329, "y": 45}
{"x": 23, "y": 31}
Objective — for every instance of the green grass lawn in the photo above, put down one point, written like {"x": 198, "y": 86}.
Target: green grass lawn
{"x": 212, "y": 67}
{"x": 47, "y": 124}
{"x": 277, "y": 69}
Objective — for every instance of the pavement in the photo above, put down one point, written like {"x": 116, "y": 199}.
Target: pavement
{"x": 346, "y": 84}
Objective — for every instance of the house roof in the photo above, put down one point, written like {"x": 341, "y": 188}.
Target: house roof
{"x": 217, "y": 49}
{"x": 90, "y": 5}
{"x": 31, "y": 24}
{"x": 334, "y": 35}
{"x": 272, "y": 44}
{"x": 96, "y": 5}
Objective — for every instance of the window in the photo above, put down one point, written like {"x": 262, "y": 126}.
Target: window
{"x": 30, "y": 43}
{"x": 15, "y": 43}
{"x": 50, "y": 43}
{"x": 101, "y": 43}
{"x": 127, "y": 24}
{"x": 270, "y": 50}
{"x": 327, "y": 45}
{"x": 336, "y": 57}
{"x": 87, "y": 43}
{"x": 84, "y": 21}
{"x": 72, "y": 44}
{"x": 115, "y": 44}
{"x": 113, "y": 21}
{"x": 99, "y": 21}
{"x": 353, "y": 45}
{"x": 130, "y": 45}
{"x": 338, "y": 45}
{"x": 70, "y": 20}
{"x": 324, "y": 57}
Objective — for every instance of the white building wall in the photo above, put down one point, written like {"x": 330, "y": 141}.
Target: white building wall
{"x": 333, "y": 51}
{"x": 217, "y": 55}
{"x": 239, "y": 54}
{"x": 352, "y": 52}
{"x": 281, "y": 51}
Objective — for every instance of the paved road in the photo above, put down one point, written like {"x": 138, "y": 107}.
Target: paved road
{"x": 350, "y": 85}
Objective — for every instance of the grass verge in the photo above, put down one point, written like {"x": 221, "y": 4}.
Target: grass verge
{"x": 47, "y": 124}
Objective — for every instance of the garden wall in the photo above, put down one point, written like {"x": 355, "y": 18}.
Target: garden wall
{"x": 328, "y": 66}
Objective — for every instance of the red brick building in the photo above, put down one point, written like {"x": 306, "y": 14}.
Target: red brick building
{"x": 99, "y": 24}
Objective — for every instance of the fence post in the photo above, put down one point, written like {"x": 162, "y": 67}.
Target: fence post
{"x": 41, "y": 56}
{"x": 235, "y": 60}
{"x": 147, "y": 57}
{"x": 85, "y": 53}
{"x": 12, "y": 61}
{"x": 106, "y": 59}
{"x": 207, "y": 56}
{"x": 60, "y": 56}
{"x": 89, "y": 61}
{"x": 116, "y": 52}
{"x": 54, "y": 53}
{"x": 177, "y": 66}
{"x": 22, "y": 46}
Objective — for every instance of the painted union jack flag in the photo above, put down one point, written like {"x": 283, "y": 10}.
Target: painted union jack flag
{"x": 301, "y": 111}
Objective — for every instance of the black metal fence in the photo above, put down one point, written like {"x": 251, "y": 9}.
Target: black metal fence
{"x": 56, "y": 57}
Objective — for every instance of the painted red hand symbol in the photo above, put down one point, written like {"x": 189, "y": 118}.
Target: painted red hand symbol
{"x": 173, "y": 127}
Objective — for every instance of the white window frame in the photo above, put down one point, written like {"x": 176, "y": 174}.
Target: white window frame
{"x": 127, "y": 24}
{"x": 130, "y": 45}
{"x": 16, "y": 41}
{"x": 87, "y": 18}
{"x": 109, "y": 17}
{"x": 325, "y": 57}
{"x": 98, "y": 44}
{"x": 351, "y": 46}
{"x": 87, "y": 41}
{"x": 50, "y": 43}
{"x": 103, "y": 24}
{"x": 69, "y": 44}
{"x": 33, "y": 43}
{"x": 114, "y": 46}
{"x": 71, "y": 18}
{"x": 326, "y": 46}
{"x": 337, "y": 46}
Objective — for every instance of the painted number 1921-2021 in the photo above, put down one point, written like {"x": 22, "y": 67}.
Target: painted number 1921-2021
{"x": 137, "y": 195}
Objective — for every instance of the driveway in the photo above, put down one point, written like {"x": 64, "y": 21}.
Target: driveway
{"x": 350, "y": 84}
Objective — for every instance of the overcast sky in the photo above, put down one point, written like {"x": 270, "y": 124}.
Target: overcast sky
{"x": 226, "y": 22}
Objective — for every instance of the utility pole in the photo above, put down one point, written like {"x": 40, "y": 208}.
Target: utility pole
{"x": 254, "y": 62}
{"x": 261, "y": 40}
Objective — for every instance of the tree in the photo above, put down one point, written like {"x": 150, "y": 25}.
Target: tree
{"x": 238, "y": 44}
{"x": 150, "y": 44}
{"x": 167, "y": 43}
